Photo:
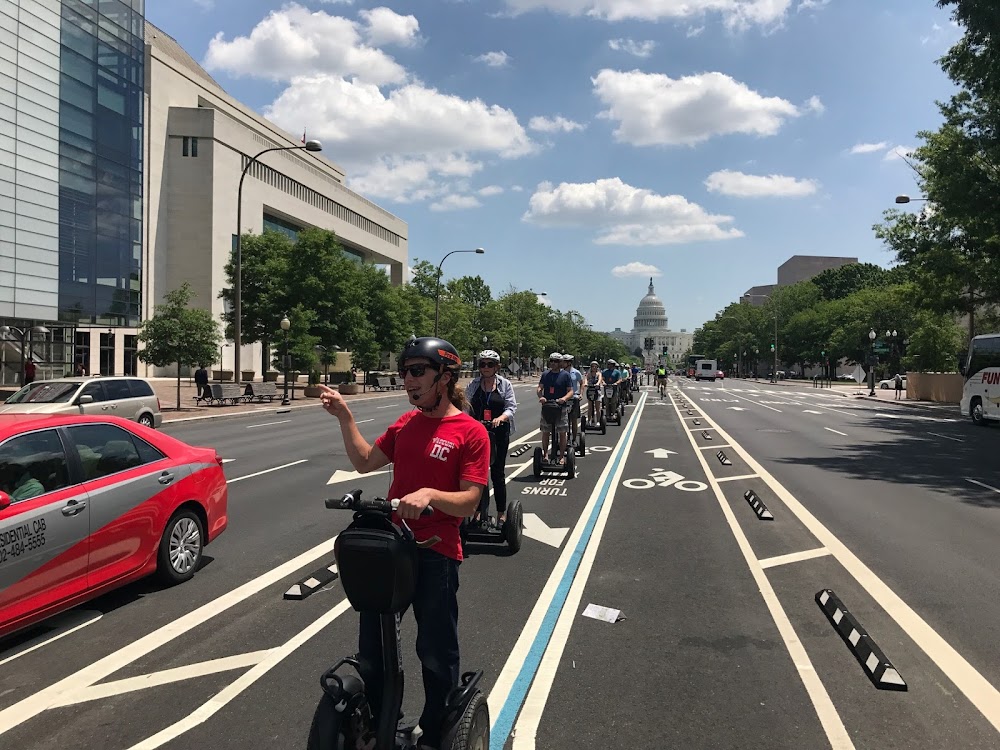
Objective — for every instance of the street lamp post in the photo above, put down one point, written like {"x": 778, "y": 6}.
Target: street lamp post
{"x": 891, "y": 338}
{"x": 285, "y": 325}
{"x": 871, "y": 363}
{"x": 310, "y": 145}
{"x": 908, "y": 199}
{"x": 437, "y": 288}
{"x": 221, "y": 348}
{"x": 774, "y": 373}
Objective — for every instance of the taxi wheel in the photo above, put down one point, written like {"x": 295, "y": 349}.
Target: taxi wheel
{"x": 181, "y": 547}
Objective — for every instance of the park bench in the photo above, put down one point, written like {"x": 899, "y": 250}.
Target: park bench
{"x": 223, "y": 393}
{"x": 260, "y": 391}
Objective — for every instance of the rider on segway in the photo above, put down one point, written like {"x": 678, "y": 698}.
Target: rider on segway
{"x": 491, "y": 398}
{"x": 441, "y": 459}
{"x": 555, "y": 385}
{"x": 574, "y": 413}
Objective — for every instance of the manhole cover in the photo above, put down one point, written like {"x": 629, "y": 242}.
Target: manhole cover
{"x": 784, "y": 432}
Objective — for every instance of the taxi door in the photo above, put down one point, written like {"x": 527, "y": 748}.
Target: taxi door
{"x": 44, "y": 531}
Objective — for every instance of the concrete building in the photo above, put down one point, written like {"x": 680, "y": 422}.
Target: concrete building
{"x": 792, "y": 271}
{"x": 200, "y": 139}
{"x": 650, "y": 326}
{"x": 120, "y": 159}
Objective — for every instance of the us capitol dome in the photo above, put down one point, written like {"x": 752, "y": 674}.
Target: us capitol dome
{"x": 650, "y": 327}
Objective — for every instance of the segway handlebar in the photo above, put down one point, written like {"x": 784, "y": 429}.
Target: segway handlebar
{"x": 353, "y": 501}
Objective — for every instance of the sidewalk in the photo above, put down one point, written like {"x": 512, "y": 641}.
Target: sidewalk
{"x": 854, "y": 390}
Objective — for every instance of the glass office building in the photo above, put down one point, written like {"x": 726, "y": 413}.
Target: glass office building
{"x": 71, "y": 137}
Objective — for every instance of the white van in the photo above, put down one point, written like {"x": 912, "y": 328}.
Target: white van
{"x": 981, "y": 392}
{"x": 705, "y": 369}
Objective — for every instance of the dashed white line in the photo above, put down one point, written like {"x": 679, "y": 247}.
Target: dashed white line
{"x": 712, "y": 447}
{"x": 946, "y": 437}
{"x": 266, "y": 471}
{"x": 974, "y": 481}
{"x": 267, "y": 424}
{"x": 733, "y": 479}
{"x": 837, "y": 431}
{"x": 57, "y": 636}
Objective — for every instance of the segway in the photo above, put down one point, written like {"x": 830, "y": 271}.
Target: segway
{"x": 377, "y": 564}
{"x": 579, "y": 440}
{"x": 487, "y": 530}
{"x": 602, "y": 425}
{"x": 612, "y": 409}
{"x": 551, "y": 413}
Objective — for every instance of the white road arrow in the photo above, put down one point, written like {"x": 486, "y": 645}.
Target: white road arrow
{"x": 535, "y": 528}
{"x": 736, "y": 408}
{"x": 810, "y": 411}
{"x": 348, "y": 476}
{"x": 661, "y": 452}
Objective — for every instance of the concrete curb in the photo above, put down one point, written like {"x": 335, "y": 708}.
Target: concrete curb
{"x": 877, "y": 666}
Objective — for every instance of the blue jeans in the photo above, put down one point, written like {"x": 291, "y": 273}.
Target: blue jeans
{"x": 435, "y": 608}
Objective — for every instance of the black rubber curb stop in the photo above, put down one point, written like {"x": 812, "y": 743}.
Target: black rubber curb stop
{"x": 758, "y": 506}
{"x": 521, "y": 449}
{"x": 705, "y": 434}
{"x": 312, "y": 583}
{"x": 877, "y": 666}
{"x": 723, "y": 458}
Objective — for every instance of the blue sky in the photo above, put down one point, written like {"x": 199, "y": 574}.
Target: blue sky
{"x": 590, "y": 144}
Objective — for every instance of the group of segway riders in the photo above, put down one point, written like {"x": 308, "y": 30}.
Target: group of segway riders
{"x": 445, "y": 452}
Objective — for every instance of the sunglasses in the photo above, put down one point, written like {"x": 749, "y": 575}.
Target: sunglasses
{"x": 487, "y": 364}
{"x": 416, "y": 371}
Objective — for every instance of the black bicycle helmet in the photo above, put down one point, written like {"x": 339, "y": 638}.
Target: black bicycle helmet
{"x": 438, "y": 351}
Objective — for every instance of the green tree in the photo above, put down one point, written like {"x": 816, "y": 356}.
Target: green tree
{"x": 837, "y": 283}
{"x": 179, "y": 333}
{"x": 933, "y": 344}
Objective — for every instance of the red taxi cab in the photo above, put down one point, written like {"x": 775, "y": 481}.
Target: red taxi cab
{"x": 88, "y": 504}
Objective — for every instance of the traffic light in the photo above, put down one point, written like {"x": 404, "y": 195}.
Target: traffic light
{"x": 772, "y": 347}
{"x": 664, "y": 349}
{"x": 822, "y": 354}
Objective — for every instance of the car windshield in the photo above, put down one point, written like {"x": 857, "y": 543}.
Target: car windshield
{"x": 44, "y": 393}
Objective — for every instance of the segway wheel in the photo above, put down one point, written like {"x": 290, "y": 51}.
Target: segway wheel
{"x": 512, "y": 527}
{"x": 604, "y": 426}
{"x": 583, "y": 423}
{"x": 536, "y": 463}
{"x": 473, "y": 729}
{"x": 324, "y": 734}
{"x": 582, "y": 450}
{"x": 571, "y": 466}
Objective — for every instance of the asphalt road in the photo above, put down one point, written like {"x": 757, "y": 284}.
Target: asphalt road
{"x": 720, "y": 642}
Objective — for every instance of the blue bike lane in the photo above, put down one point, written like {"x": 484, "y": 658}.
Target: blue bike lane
{"x": 693, "y": 658}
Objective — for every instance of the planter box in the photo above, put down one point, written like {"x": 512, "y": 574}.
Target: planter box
{"x": 223, "y": 375}
{"x": 247, "y": 376}
{"x": 349, "y": 389}
{"x": 271, "y": 376}
{"x": 312, "y": 391}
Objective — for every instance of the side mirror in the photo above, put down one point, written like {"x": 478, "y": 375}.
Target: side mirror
{"x": 5, "y": 500}
{"x": 85, "y": 399}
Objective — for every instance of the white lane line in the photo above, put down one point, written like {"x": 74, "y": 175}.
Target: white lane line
{"x": 837, "y": 431}
{"x": 388, "y": 406}
{"x": 711, "y": 447}
{"x": 701, "y": 429}
{"x": 29, "y": 707}
{"x": 733, "y": 479}
{"x": 756, "y": 403}
{"x": 266, "y": 471}
{"x": 946, "y": 437}
{"x": 165, "y": 677}
{"x": 526, "y": 728}
{"x": 965, "y": 677}
{"x": 267, "y": 424}
{"x": 974, "y": 481}
{"x": 362, "y": 421}
{"x": 219, "y": 701}
{"x": 56, "y": 637}
{"x": 792, "y": 557}
{"x": 832, "y": 724}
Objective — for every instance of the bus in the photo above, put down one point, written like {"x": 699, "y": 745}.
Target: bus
{"x": 691, "y": 360}
{"x": 981, "y": 391}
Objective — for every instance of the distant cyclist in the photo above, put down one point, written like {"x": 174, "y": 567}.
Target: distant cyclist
{"x": 661, "y": 378}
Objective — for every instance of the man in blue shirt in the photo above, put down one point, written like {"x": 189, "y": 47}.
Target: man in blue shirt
{"x": 611, "y": 373}
{"x": 555, "y": 385}
{"x": 574, "y": 412}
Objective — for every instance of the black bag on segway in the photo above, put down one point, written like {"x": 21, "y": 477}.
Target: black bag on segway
{"x": 552, "y": 411}
{"x": 377, "y": 563}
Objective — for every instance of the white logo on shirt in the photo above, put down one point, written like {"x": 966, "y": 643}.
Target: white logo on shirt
{"x": 440, "y": 449}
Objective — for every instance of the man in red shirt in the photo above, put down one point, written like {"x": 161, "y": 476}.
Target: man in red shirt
{"x": 441, "y": 459}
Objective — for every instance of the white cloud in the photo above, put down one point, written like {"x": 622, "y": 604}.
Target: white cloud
{"x": 453, "y": 202}
{"x": 205, "y": 4}
{"x": 813, "y": 104}
{"x": 694, "y": 31}
{"x": 898, "y": 152}
{"x": 635, "y": 268}
{"x": 385, "y": 26}
{"x": 553, "y": 124}
{"x": 336, "y": 2}
{"x": 295, "y": 41}
{"x": 639, "y": 49}
{"x": 516, "y": 189}
{"x": 494, "y": 59}
{"x": 625, "y": 215}
{"x": 654, "y": 109}
{"x": 869, "y": 148}
{"x": 736, "y": 14}
{"x": 812, "y": 4}
{"x": 740, "y": 185}
{"x": 489, "y": 190}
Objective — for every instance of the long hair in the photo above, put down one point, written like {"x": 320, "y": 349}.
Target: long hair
{"x": 457, "y": 395}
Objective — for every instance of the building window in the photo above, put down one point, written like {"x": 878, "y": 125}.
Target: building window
{"x": 185, "y": 145}
{"x": 107, "y": 354}
{"x": 194, "y": 147}
{"x": 131, "y": 358}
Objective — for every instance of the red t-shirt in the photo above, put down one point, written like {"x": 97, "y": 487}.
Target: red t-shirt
{"x": 437, "y": 453}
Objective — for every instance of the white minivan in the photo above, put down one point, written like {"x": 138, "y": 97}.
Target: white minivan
{"x": 706, "y": 369}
